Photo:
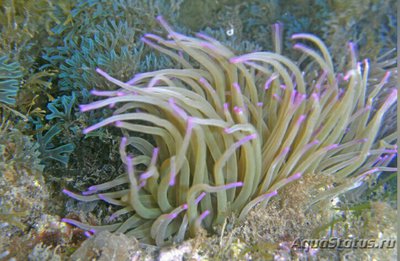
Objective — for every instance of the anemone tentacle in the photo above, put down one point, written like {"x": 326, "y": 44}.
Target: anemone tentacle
{"x": 228, "y": 132}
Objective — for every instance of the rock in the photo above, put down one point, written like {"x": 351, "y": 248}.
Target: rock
{"x": 106, "y": 246}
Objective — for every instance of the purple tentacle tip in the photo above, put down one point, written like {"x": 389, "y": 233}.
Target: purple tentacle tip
{"x": 202, "y": 80}
{"x": 238, "y": 110}
{"x": 90, "y": 190}
{"x": 285, "y": 150}
{"x": 142, "y": 184}
{"x": 204, "y": 214}
{"x": 147, "y": 36}
{"x": 203, "y": 36}
{"x": 235, "y": 60}
{"x": 128, "y": 160}
{"x": 301, "y": 119}
{"x": 100, "y": 71}
{"x": 155, "y": 152}
{"x": 294, "y": 177}
{"x": 67, "y": 192}
{"x": 234, "y": 185}
{"x": 277, "y": 26}
{"x": 252, "y": 136}
{"x": 172, "y": 182}
{"x": 83, "y": 107}
{"x": 297, "y": 45}
{"x": 68, "y": 221}
{"x": 172, "y": 172}
{"x": 273, "y": 193}
{"x": 102, "y": 197}
{"x": 172, "y": 215}
{"x": 386, "y": 76}
{"x": 143, "y": 39}
{"x": 331, "y": 147}
{"x": 276, "y": 97}
{"x": 199, "y": 198}
{"x": 190, "y": 124}
{"x": 87, "y": 130}
{"x": 208, "y": 46}
{"x": 236, "y": 86}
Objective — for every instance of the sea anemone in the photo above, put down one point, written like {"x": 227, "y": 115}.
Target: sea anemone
{"x": 223, "y": 133}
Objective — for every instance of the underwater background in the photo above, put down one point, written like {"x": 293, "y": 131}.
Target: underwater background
{"x": 49, "y": 52}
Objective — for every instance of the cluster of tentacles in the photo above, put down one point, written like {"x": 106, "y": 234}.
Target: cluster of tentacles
{"x": 226, "y": 132}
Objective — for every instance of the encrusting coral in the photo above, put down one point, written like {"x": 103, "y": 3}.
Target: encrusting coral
{"x": 223, "y": 133}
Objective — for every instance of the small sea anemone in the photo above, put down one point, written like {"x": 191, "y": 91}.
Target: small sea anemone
{"x": 223, "y": 133}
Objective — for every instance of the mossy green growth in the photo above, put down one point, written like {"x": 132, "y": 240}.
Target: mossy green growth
{"x": 19, "y": 158}
{"x": 25, "y": 27}
{"x": 10, "y": 80}
{"x": 106, "y": 34}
